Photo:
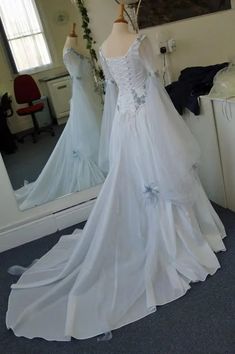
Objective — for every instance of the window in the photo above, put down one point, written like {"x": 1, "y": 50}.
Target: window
{"x": 24, "y": 34}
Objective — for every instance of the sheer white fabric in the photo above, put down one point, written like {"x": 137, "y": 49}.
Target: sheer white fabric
{"x": 145, "y": 241}
{"x": 224, "y": 83}
{"x": 73, "y": 164}
{"x": 111, "y": 93}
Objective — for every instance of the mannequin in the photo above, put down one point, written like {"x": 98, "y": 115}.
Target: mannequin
{"x": 71, "y": 40}
{"x": 120, "y": 39}
{"x": 152, "y": 230}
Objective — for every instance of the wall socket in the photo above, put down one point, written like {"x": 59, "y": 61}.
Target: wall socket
{"x": 167, "y": 46}
{"x": 171, "y": 44}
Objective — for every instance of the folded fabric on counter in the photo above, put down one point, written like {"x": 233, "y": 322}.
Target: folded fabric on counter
{"x": 192, "y": 83}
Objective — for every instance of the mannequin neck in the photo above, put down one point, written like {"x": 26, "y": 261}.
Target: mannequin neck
{"x": 120, "y": 28}
{"x": 71, "y": 42}
{"x": 119, "y": 40}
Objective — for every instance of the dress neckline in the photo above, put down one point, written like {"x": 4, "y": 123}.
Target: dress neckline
{"x": 138, "y": 37}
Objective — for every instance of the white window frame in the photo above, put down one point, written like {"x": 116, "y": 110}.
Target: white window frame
{"x": 39, "y": 68}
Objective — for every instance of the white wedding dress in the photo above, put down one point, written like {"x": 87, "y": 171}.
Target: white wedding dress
{"x": 73, "y": 164}
{"x": 152, "y": 230}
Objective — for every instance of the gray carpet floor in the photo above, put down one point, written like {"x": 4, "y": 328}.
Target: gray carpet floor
{"x": 200, "y": 322}
{"x": 29, "y": 159}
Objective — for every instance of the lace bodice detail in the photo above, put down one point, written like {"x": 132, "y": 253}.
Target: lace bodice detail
{"x": 129, "y": 73}
{"x": 74, "y": 62}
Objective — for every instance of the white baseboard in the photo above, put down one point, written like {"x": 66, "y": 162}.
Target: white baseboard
{"x": 44, "y": 226}
{"x": 74, "y": 215}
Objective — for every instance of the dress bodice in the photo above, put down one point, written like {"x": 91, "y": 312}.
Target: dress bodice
{"x": 73, "y": 62}
{"x": 128, "y": 70}
{"x": 80, "y": 70}
{"x": 130, "y": 74}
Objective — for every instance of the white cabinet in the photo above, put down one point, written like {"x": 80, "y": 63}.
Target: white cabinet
{"x": 203, "y": 128}
{"x": 224, "y": 113}
{"x": 59, "y": 92}
{"x": 43, "y": 117}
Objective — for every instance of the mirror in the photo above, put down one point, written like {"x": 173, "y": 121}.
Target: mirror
{"x": 51, "y": 151}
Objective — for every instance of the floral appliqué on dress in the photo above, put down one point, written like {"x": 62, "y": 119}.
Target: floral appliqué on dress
{"x": 152, "y": 193}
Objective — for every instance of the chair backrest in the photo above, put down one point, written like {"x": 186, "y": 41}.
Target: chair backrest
{"x": 26, "y": 89}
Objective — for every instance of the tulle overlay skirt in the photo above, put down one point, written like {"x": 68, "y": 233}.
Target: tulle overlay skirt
{"x": 140, "y": 248}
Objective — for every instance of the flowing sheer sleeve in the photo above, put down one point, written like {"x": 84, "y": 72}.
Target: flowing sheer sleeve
{"x": 110, "y": 101}
{"x": 176, "y": 152}
{"x": 147, "y": 56}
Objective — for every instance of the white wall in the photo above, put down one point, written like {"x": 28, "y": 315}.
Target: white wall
{"x": 202, "y": 40}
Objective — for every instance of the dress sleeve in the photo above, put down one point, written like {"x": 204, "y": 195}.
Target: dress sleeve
{"x": 147, "y": 55}
{"x": 176, "y": 151}
{"x": 110, "y": 102}
{"x": 72, "y": 61}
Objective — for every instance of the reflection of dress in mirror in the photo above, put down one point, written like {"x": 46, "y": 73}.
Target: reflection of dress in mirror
{"x": 73, "y": 164}
{"x": 152, "y": 231}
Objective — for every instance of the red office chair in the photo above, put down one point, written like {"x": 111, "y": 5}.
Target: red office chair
{"x": 26, "y": 91}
